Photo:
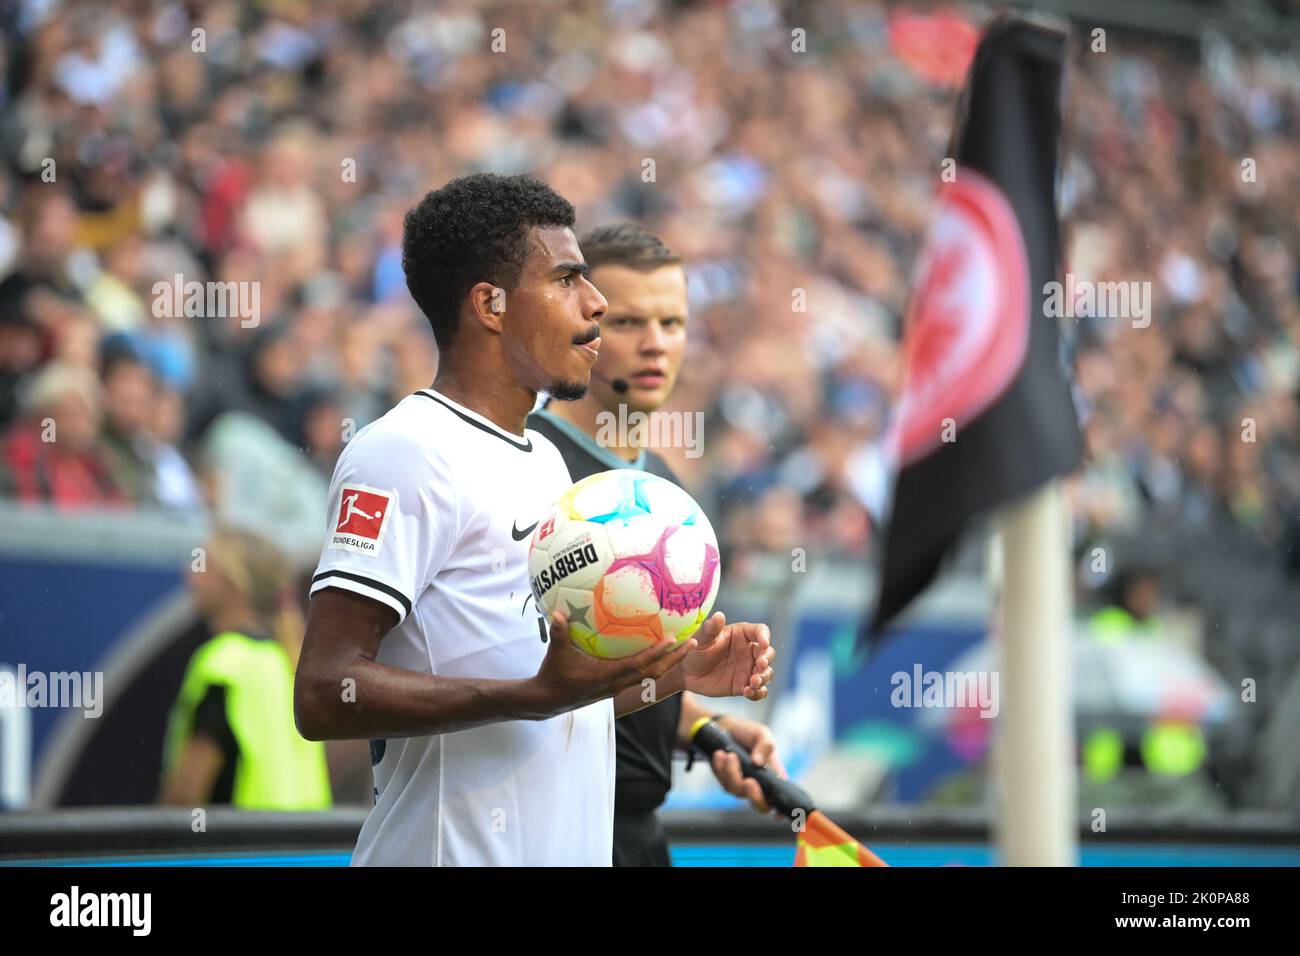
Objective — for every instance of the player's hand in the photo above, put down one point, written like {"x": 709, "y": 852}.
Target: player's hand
{"x": 732, "y": 660}
{"x": 570, "y": 678}
{"x": 758, "y": 740}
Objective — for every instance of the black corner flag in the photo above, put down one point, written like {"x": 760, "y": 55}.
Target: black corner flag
{"x": 986, "y": 413}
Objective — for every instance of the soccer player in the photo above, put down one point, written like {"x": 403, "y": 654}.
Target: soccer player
{"x": 492, "y": 735}
{"x": 642, "y": 342}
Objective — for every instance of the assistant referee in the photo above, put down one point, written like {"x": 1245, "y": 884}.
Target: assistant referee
{"x": 643, "y": 339}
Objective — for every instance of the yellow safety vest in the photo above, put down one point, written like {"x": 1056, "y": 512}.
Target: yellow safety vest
{"x": 277, "y": 769}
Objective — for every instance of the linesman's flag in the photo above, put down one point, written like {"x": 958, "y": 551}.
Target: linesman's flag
{"x": 986, "y": 413}
{"x": 819, "y": 842}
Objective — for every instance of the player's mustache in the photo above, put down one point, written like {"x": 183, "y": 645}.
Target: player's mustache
{"x": 588, "y": 337}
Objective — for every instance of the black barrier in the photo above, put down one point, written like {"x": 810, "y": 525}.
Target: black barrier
{"x": 143, "y": 830}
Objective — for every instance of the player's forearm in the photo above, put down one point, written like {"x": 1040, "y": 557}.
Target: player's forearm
{"x": 341, "y": 692}
{"x": 369, "y": 699}
{"x": 649, "y": 691}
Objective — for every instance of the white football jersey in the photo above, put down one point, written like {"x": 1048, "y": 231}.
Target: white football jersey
{"x": 432, "y": 507}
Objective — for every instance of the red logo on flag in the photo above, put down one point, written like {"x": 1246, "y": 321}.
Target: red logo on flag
{"x": 938, "y": 46}
{"x": 362, "y": 513}
{"x": 967, "y": 326}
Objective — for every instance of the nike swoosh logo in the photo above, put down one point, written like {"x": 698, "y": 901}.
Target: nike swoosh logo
{"x": 520, "y": 535}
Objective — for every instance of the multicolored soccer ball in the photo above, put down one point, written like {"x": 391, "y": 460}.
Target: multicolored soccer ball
{"x": 629, "y": 558}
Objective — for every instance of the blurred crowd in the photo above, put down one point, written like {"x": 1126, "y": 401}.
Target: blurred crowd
{"x": 280, "y": 143}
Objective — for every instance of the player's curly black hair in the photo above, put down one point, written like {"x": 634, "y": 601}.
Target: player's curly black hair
{"x": 474, "y": 229}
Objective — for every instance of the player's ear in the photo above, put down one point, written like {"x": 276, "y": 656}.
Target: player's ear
{"x": 488, "y": 302}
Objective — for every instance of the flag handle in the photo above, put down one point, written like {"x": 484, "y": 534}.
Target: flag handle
{"x": 782, "y": 795}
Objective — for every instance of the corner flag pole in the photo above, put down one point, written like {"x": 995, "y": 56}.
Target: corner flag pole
{"x": 1035, "y": 770}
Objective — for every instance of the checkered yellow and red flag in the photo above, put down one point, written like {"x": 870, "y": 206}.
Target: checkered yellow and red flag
{"x": 820, "y": 841}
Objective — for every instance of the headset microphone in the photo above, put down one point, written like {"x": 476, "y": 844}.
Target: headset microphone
{"x": 619, "y": 385}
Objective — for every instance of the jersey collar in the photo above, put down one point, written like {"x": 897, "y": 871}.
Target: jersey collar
{"x": 588, "y": 444}
{"x": 523, "y": 443}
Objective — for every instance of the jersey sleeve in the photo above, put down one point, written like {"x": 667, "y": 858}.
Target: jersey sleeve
{"x": 210, "y": 720}
{"x": 392, "y": 520}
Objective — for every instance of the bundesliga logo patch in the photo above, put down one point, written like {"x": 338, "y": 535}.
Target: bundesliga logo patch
{"x": 361, "y": 519}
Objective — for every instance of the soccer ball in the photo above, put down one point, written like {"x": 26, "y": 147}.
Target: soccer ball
{"x": 629, "y": 558}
